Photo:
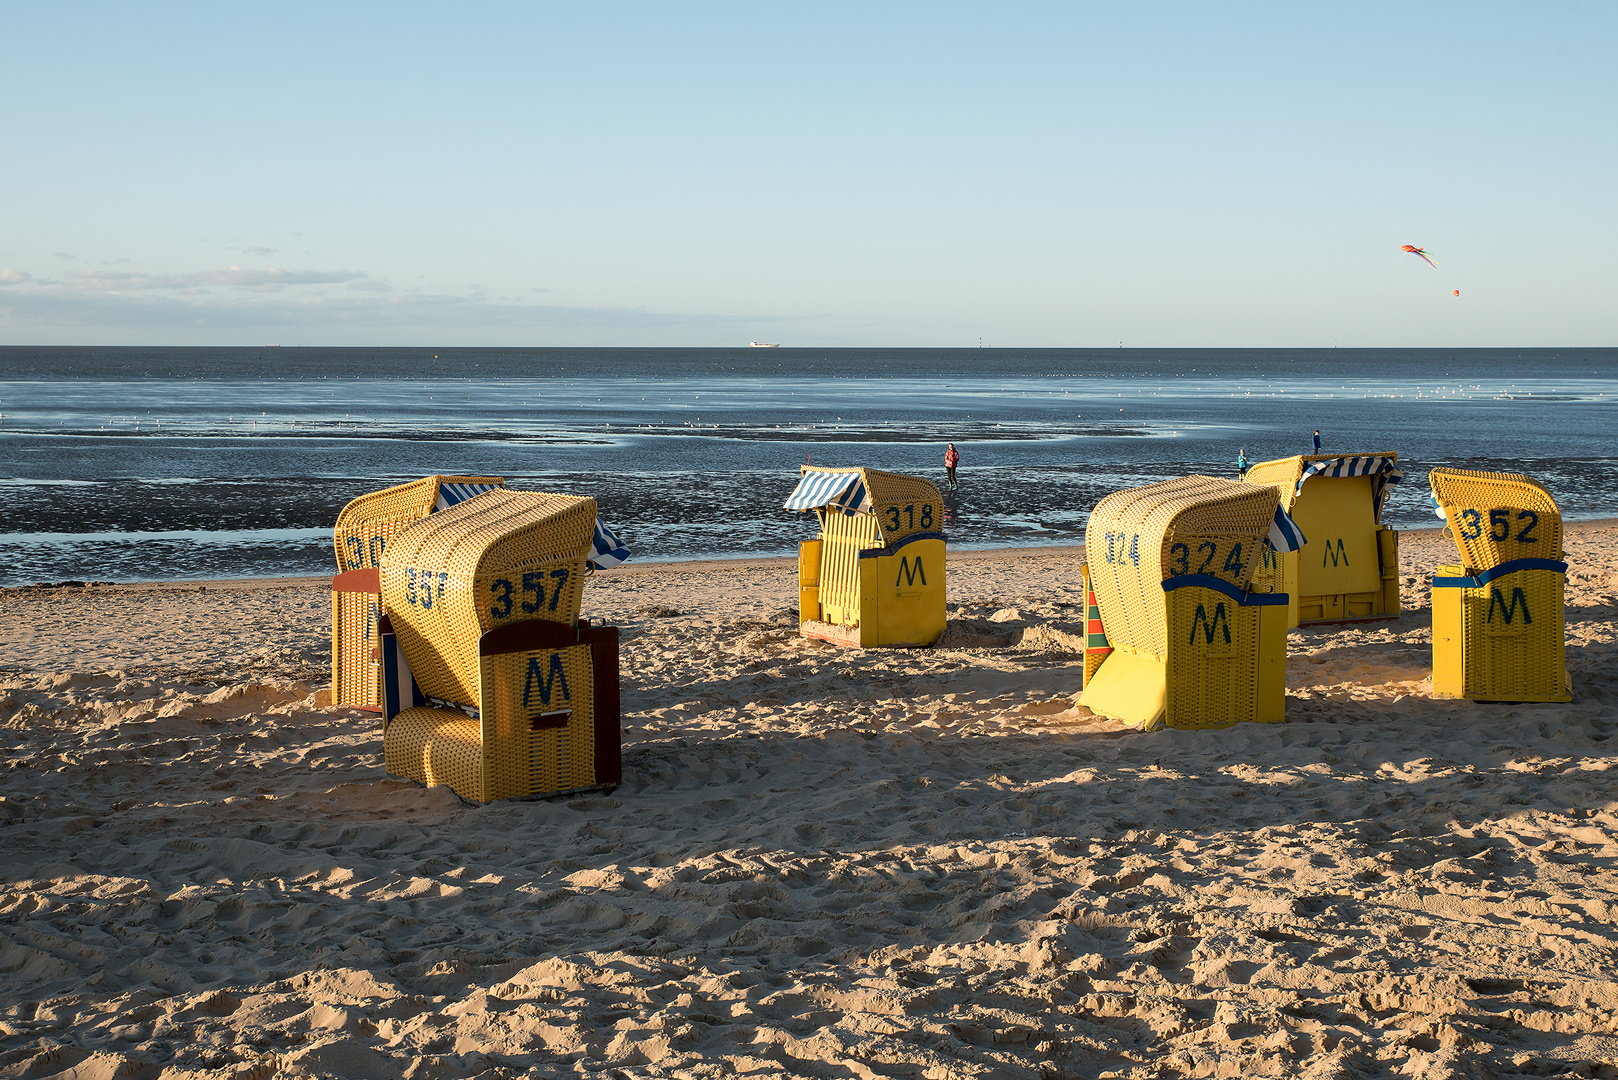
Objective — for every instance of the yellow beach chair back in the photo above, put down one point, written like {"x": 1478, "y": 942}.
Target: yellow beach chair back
{"x": 1499, "y": 622}
{"x": 364, "y": 528}
{"x": 1170, "y": 565}
{"x": 522, "y": 698}
{"x": 1349, "y": 569}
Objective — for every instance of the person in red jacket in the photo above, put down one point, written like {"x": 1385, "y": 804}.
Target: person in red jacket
{"x": 952, "y": 458}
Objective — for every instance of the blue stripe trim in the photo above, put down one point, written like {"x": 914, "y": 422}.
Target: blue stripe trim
{"x": 1360, "y": 465}
{"x": 877, "y": 553}
{"x": 1498, "y": 571}
{"x": 453, "y": 494}
{"x": 1208, "y": 581}
{"x": 817, "y": 489}
{"x": 607, "y": 550}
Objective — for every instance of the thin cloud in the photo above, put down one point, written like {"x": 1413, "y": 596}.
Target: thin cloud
{"x": 248, "y": 301}
{"x": 67, "y": 307}
{"x": 67, "y": 255}
{"x": 235, "y": 277}
{"x": 258, "y": 250}
{"x": 115, "y": 262}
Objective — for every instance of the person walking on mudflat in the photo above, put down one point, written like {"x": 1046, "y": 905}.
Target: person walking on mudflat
{"x": 1317, "y": 440}
{"x": 1241, "y": 465}
{"x": 952, "y": 458}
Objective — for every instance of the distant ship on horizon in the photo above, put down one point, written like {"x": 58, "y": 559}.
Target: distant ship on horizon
{"x": 764, "y": 344}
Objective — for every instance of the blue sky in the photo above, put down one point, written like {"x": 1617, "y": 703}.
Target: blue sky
{"x": 820, "y": 174}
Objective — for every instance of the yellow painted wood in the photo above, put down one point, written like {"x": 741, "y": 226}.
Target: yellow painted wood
{"x": 906, "y": 594}
{"x": 1340, "y": 572}
{"x": 1129, "y": 685}
{"x": 809, "y": 581}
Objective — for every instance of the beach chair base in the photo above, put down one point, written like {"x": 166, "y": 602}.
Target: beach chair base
{"x": 547, "y": 722}
{"x": 847, "y": 636}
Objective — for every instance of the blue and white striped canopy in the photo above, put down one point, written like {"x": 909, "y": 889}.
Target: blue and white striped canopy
{"x": 1384, "y": 468}
{"x": 449, "y": 494}
{"x": 607, "y": 550}
{"x": 843, "y": 491}
{"x": 1284, "y": 532}
{"x": 1439, "y": 509}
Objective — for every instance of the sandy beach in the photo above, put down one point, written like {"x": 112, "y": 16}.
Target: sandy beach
{"x": 823, "y": 862}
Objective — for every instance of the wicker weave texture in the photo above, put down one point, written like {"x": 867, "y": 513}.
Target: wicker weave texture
{"x": 1497, "y": 517}
{"x": 434, "y": 745}
{"x": 356, "y": 672}
{"x": 367, "y": 524}
{"x": 538, "y": 722}
{"x": 1270, "y": 572}
{"x": 1213, "y": 666}
{"x": 501, "y": 557}
{"x": 1515, "y": 632}
{"x": 1192, "y": 525}
{"x": 903, "y": 505}
{"x": 1281, "y": 473}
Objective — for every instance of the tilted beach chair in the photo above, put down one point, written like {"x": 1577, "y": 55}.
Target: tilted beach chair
{"x": 1499, "y": 621}
{"x": 518, "y": 696}
{"x": 364, "y": 528}
{"x": 875, "y": 575}
{"x": 1170, "y": 565}
{"x": 1349, "y": 569}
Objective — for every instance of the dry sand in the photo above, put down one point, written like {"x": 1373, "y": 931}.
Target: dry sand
{"x": 822, "y": 862}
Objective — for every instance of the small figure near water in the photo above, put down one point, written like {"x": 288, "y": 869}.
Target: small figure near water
{"x": 1317, "y": 440}
{"x": 952, "y": 458}
{"x": 1241, "y": 465}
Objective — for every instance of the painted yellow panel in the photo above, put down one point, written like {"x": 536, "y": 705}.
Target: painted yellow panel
{"x": 1337, "y": 516}
{"x": 907, "y": 594}
{"x": 1129, "y": 686}
{"x": 809, "y": 581}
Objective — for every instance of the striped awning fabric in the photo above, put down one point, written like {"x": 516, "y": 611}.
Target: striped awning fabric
{"x": 1384, "y": 468}
{"x": 1284, "y": 533}
{"x": 843, "y": 491}
{"x": 607, "y": 550}
{"x": 1438, "y": 508}
{"x": 450, "y": 494}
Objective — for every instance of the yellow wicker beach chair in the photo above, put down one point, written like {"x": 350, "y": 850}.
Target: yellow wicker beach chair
{"x": 363, "y": 530}
{"x": 875, "y": 575}
{"x": 1498, "y": 617}
{"x": 521, "y": 696}
{"x": 1349, "y": 568}
{"x": 1191, "y": 647}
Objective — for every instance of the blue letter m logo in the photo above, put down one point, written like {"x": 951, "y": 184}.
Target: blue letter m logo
{"x": 1334, "y": 553}
{"x": 1210, "y": 628}
{"x": 908, "y": 574}
{"x": 545, "y": 680}
{"x": 1509, "y": 611}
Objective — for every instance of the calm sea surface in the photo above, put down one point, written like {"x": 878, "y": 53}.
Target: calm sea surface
{"x": 160, "y": 464}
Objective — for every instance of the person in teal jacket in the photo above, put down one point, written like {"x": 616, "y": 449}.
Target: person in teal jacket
{"x": 1241, "y": 465}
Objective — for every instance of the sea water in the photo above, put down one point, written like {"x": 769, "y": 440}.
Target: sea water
{"x": 161, "y": 464}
